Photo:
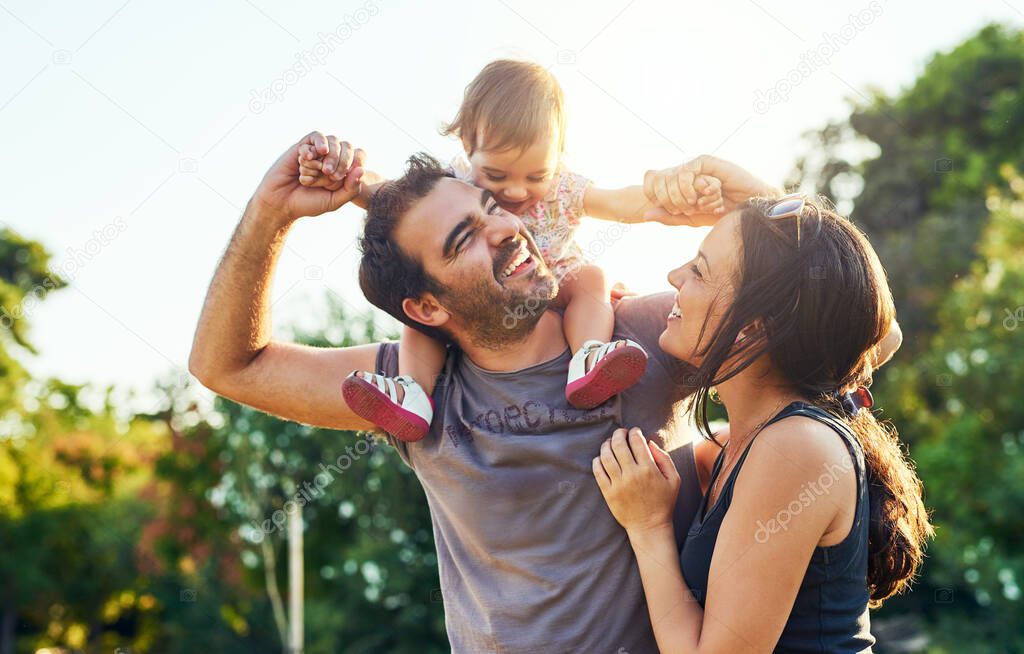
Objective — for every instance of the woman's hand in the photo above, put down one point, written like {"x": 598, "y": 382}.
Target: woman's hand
{"x": 638, "y": 479}
{"x": 677, "y": 190}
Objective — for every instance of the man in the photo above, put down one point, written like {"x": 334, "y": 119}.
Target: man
{"x": 529, "y": 557}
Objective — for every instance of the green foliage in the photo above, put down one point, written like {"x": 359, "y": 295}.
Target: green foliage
{"x": 944, "y": 211}
{"x": 25, "y": 280}
{"x": 940, "y": 145}
{"x": 960, "y": 402}
{"x": 371, "y": 569}
{"x": 165, "y": 532}
{"x": 144, "y": 532}
{"x": 69, "y": 516}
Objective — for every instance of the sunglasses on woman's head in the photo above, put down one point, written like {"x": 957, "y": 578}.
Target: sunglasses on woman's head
{"x": 791, "y": 206}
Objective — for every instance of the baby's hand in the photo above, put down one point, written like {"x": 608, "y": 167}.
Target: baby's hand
{"x": 696, "y": 201}
{"x": 310, "y": 166}
{"x": 710, "y": 190}
{"x": 328, "y": 170}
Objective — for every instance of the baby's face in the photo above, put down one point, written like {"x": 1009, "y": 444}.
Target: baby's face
{"x": 517, "y": 178}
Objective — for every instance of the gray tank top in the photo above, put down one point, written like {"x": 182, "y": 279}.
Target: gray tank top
{"x": 830, "y": 613}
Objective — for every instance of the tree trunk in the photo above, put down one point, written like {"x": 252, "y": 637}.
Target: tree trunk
{"x": 7, "y": 620}
{"x": 295, "y": 585}
{"x": 270, "y": 578}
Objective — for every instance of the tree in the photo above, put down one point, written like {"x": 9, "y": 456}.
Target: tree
{"x": 78, "y": 494}
{"x": 961, "y": 401}
{"x": 68, "y": 515}
{"x": 924, "y": 173}
{"x": 370, "y": 565}
{"x": 73, "y": 481}
{"x": 937, "y": 147}
{"x": 160, "y": 532}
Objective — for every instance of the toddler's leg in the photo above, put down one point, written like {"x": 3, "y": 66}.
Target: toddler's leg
{"x": 421, "y": 358}
{"x": 599, "y": 369}
{"x": 400, "y": 405}
{"x": 588, "y": 313}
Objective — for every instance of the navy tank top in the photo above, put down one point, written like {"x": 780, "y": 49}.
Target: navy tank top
{"x": 830, "y": 613}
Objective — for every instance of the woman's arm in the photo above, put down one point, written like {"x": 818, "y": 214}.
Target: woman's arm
{"x": 763, "y": 546}
{"x": 640, "y": 483}
{"x": 676, "y": 617}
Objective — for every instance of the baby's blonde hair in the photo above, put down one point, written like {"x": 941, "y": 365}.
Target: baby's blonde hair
{"x": 514, "y": 103}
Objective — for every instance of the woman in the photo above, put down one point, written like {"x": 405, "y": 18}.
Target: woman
{"x": 811, "y": 513}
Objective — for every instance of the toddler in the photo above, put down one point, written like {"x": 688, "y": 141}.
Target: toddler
{"x": 512, "y": 128}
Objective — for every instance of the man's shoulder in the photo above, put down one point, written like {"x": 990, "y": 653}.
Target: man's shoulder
{"x": 643, "y": 319}
{"x": 642, "y": 312}
{"x": 634, "y": 303}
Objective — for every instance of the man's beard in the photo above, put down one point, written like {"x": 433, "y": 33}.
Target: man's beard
{"x": 494, "y": 317}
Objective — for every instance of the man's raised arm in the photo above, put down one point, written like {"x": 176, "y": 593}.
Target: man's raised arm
{"x": 232, "y": 353}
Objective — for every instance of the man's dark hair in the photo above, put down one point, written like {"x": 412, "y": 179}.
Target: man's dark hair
{"x": 387, "y": 275}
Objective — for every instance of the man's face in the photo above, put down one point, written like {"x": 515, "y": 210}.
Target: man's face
{"x": 483, "y": 257}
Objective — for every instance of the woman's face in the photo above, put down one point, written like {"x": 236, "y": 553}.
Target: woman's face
{"x": 705, "y": 289}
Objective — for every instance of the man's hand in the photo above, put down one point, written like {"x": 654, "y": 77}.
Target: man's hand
{"x": 233, "y": 353}
{"x": 282, "y": 194}
{"x": 678, "y": 190}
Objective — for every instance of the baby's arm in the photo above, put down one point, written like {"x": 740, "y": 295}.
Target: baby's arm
{"x": 626, "y": 205}
{"x": 629, "y": 204}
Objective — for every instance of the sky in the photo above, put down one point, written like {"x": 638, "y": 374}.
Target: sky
{"x": 133, "y": 132}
